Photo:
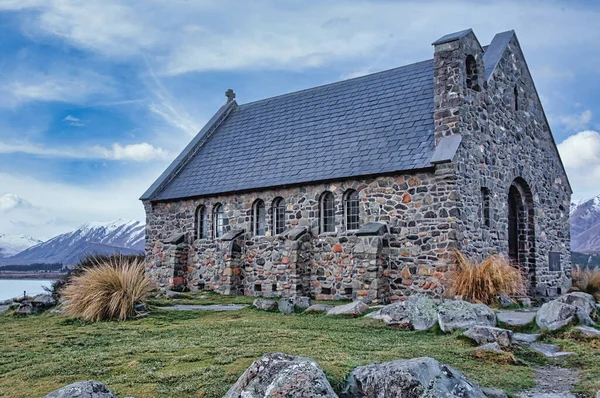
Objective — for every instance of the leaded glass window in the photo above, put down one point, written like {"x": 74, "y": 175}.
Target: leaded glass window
{"x": 327, "y": 212}
{"x": 278, "y": 216}
{"x": 258, "y": 218}
{"x": 351, "y": 209}
{"x": 201, "y": 223}
{"x": 218, "y": 221}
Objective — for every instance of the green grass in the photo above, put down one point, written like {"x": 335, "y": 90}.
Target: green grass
{"x": 201, "y": 354}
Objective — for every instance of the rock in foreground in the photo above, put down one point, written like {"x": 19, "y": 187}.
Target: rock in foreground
{"x": 418, "y": 312}
{"x": 413, "y": 378}
{"x": 356, "y": 308}
{"x": 265, "y": 305}
{"x": 462, "y": 315}
{"x": 555, "y": 315}
{"x": 83, "y": 389}
{"x": 489, "y": 334}
{"x": 282, "y": 375}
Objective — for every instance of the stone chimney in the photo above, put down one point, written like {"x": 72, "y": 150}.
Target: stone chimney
{"x": 458, "y": 74}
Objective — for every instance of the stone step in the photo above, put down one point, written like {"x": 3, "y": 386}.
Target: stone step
{"x": 549, "y": 350}
{"x": 516, "y": 317}
{"x": 523, "y": 338}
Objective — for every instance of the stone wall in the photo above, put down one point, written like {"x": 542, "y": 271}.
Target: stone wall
{"x": 420, "y": 210}
{"x": 505, "y": 143}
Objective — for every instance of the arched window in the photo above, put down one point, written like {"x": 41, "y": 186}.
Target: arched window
{"x": 201, "y": 223}
{"x": 516, "y": 95}
{"x": 472, "y": 75}
{"x": 218, "y": 221}
{"x": 278, "y": 216}
{"x": 351, "y": 209}
{"x": 258, "y": 217}
{"x": 327, "y": 212}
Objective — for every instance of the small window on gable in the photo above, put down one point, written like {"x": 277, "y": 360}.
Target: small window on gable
{"x": 485, "y": 205}
{"x": 516, "y": 95}
{"x": 258, "y": 218}
{"x": 218, "y": 221}
{"x": 472, "y": 75}
{"x": 351, "y": 209}
{"x": 201, "y": 222}
{"x": 327, "y": 212}
{"x": 278, "y": 216}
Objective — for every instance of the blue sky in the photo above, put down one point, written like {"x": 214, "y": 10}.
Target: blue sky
{"x": 98, "y": 96}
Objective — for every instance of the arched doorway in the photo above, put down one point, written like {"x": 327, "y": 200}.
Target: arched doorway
{"x": 521, "y": 229}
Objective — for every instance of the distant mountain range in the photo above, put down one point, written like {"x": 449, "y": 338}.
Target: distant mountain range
{"x": 585, "y": 226}
{"x": 14, "y": 244}
{"x": 120, "y": 236}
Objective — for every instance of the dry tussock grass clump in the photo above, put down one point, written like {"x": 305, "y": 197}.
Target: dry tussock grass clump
{"x": 587, "y": 280}
{"x": 482, "y": 283}
{"x": 109, "y": 290}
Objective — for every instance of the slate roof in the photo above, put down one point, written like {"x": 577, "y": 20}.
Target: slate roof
{"x": 373, "y": 124}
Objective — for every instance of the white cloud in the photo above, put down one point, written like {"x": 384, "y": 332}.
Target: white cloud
{"x": 141, "y": 152}
{"x": 580, "y": 154}
{"x": 578, "y": 121}
{"x": 73, "y": 121}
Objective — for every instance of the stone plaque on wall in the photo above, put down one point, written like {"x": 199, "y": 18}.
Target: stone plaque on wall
{"x": 554, "y": 261}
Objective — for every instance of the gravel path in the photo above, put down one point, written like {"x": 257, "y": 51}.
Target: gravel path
{"x": 552, "y": 382}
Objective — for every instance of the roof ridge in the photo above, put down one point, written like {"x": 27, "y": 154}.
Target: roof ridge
{"x": 333, "y": 83}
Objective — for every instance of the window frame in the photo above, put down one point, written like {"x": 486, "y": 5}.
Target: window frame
{"x": 259, "y": 225}
{"x": 218, "y": 221}
{"x": 278, "y": 216}
{"x": 201, "y": 222}
{"x": 327, "y": 216}
{"x": 351, "y": 202}
{"x": 486, "y": 212}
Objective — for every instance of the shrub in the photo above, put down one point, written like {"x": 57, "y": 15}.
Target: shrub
{"x": 107, "y": 290}
{"x": 483, "y": 283}
{"x": 587, "y": 280}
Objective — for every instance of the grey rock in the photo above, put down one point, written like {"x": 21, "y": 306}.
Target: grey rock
{"x": 588, "y": 331}
{"x": 505, "y": 301}
{"x": 286, "y": 305}
{"x": 598, "y": 394}
{"x": 302, "y": 303}
{"x": 319, "y": 308}
{"x": 523, "y": 338}
{"x": 4, "y": 308}
{"x": 265, "y": 305}
{"x": 356, "y": 308}
{"x": 412, "y": 378}
{"x": 583, "y": 301}
{"x": 83, "y": 389}
{"x": 462, "y": 315}
{"x": 516, "y": 318}
{"x": 555, "y": 315}
{"x": 282, "y": 375}
{"x": 491, "y": 347}
{"x": 549, "y": 350}
{"x": 525, "y": 301}
{"x": 141, "y": 307}
{"x": 493, "y": 392}
{"x": 489, "y": 334}
{"x": 418, "y": 312}
{"x": 25, "y": 308}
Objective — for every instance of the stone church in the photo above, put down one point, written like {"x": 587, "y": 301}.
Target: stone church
{"x": 358, "y": 189}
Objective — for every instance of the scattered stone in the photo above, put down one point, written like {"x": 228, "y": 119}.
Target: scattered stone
{"x": 549, "y": 350}
{"x": 418, "y": 312}
{"x": 25, "y": 308}
{"x": 141, "y": 307}
{"x": 265, "y": 305}
{"x": 523, "y": 338}
{"x": 493, "y": 392}
{"x": 462, "y": 315}
{"x": 489, "y": 347}
{"x": 355, "y": 308}
{"x": 175, "y": 295}
{"x": 282, "y": 375}
{"x": 419, "y": 377}
{"x": 588, "y": 331}
{"x": 489, "y": 334}
{"x": 302, "y": 303}
{"x": 213, "y": 307}
{"x": 525, "y": 301}
{"x": 319, "y": 308}
{"x": 292, "y": 304}
{"x": 555, "y": 315}
{"x": 57, "y": 311}
{"x": 43, "y": 301}
{"x": 504, "y": 301}
{"x": 517, "y": 317}
{"x": 83, "y": 389}
{"x": 585, "y": 302}
{"x": 4, "y": 308}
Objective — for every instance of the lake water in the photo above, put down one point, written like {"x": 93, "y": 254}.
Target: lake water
{"x": 10, "y": 288}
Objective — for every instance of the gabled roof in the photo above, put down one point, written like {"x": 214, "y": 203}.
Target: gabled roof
{"x": 373, "y": 124}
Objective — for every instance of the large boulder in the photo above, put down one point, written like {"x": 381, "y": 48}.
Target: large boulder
{"x": 294, "y": 303}
{"x": 462, "y": 315}
{"x": 265, "y": 305}
{"x": 488, "y": 334}
{"x": 412, "y": 378}
{"x": 319, "y": 308}
{"x": 418, "y": 312}
{"x": 355, "y": 308}
{"x": 555, "y": 315}
{"x": 583, "y": 301}
{"x": 282, "y": 375}
{"x": 43, "y": 301}
{"x": 83, "y": 389}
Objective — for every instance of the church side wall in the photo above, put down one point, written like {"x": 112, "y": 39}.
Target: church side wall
{"x": 420, "y": 209}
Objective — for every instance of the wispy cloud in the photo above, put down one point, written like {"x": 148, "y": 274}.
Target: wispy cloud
{"x": 578, "y": 121}
{"x": 73, "y": 121}
{"x": 142, "y": 152}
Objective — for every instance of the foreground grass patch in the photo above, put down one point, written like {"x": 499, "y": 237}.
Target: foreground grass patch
{"x": 201, "y": 354}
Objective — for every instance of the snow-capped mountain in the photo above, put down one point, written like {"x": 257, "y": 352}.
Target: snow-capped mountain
{"x": 9, "y": 201}
{"x": 120, "y": 236}
{"x": 585, "y": 226}
{"x": 14, "y": 244}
